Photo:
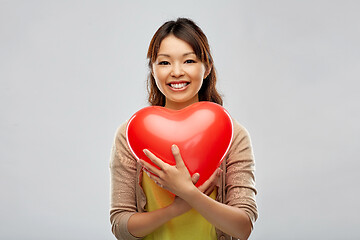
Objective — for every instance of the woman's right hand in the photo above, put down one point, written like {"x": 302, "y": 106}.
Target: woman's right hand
{"x": 141, "y": 224}
{"x": 181, "y": 206}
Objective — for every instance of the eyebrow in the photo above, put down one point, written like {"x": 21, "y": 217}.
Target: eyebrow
{"x": 167, "y": 55}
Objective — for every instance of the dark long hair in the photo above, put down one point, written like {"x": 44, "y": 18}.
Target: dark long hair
{"x": 186, "y": 30}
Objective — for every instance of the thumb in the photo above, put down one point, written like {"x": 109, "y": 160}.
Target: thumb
{"x": 195, "y": 178}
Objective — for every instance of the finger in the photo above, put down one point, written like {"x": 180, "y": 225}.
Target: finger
{"x": 215, "y": 176}
{"x": 210, "y": 189}
{"x": 195, "y": 178}
{"x": 155, "y": 178}
{"x": 150, "y": 168}
{"x": 211, "y": 182}
{"x": 176, "y": 152}
{"x": 157, "y": 161}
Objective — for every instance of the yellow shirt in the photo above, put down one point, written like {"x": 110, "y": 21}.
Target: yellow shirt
{"x": 190, "y": 225}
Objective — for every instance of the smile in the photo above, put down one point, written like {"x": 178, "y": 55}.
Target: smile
{"x": 179, "y": 85}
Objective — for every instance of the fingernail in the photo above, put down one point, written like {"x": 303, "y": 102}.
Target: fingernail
{"x": 145, "y": 151}
{"x": 147, "y": 173}
{"x": 173, "y": 147}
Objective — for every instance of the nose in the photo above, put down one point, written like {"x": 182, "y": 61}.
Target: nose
{"x": 177, "y": 70}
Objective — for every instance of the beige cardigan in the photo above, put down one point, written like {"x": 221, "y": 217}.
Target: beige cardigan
{"x": 236, "y": 188}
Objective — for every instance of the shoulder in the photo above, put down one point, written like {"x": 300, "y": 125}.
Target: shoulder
{"x": 241, "y": 142}
{"x": 121, "y": 130}
{"x": 120, "y": 145}
{"x": 120, "y": 133}
{"x": 239, "y": 130}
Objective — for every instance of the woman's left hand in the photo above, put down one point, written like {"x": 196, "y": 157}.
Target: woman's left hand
{"x": 175, "y": 178}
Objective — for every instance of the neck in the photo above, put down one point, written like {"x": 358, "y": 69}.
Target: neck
{"x": 179, "y": 105}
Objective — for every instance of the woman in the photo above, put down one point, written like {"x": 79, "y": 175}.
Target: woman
{"x": 182, "y": 73}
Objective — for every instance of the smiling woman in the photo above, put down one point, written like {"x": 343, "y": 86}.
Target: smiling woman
{"x": 194, "y": 45}
{"x": 165, "y": 203}
{"x": 178, "y": 72}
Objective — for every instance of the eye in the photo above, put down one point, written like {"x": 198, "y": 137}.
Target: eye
{"x": 189, "y": 61}
{"x": 164, "y": 63}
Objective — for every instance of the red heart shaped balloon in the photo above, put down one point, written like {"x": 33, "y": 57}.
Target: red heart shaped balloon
{"x": 203, "y": 132}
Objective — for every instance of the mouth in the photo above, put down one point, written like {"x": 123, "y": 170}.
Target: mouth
{"x": 178, "y": 85}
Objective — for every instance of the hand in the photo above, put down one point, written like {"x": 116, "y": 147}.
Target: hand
{"x": 179, "y": 205}
{"x": 207, "y": 188}
{"x": 175, "y": 178}
{"x": 209, "y": 185}
{"x": 169, "y": 176}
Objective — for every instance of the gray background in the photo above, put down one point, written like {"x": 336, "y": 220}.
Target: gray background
{"x": 72, "y": 71}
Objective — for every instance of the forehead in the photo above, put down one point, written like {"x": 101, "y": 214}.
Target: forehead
{"x": 172, "y": 45}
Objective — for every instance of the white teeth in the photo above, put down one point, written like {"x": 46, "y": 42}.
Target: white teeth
{"x": 178, "y": 85}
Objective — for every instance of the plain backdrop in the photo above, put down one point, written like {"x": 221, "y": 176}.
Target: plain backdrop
{"x": 72, "y": 71}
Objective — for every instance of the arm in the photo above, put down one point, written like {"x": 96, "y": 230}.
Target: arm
{"x": 235, "y": 217}
{"x": 122, "y": 186}
{"x": 126, "y": 221}
{"x": 240, "y": 183}
{"x": 142, "y": 224}
{"x": 229, "y": 219}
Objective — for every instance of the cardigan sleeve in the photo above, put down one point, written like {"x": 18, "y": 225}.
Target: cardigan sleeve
{"x": 123, "y": 185}
{"x": 240, "y": 188}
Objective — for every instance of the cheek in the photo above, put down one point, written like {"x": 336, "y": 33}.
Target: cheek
{"x": 159, "y": 75}
{"x": 199, "y": 73}
{"x": 159, "y": 80}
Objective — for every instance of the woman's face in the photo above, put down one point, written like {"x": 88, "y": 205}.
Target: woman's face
{"x": 178, "y": 72}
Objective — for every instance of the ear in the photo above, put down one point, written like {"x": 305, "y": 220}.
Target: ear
{"x": 207, "y": 71}
{"x": 152, "y": 71}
